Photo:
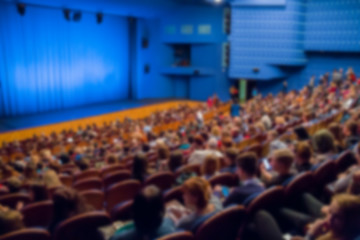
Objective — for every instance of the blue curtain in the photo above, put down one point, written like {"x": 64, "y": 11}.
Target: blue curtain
{"x": 48, "y": 63}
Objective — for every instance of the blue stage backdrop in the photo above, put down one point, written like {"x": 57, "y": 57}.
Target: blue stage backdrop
{"x": 48, "y": 63}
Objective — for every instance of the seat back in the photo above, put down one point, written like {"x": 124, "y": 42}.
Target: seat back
{"x": 224, "y": 179}
{"x": 12, "y": 199}
{"x": 300, "y": 184}
{"x": 66, "y": 180}
{"x": 27, "y": 234}
{"x": 223, "y": 225}
{"x": 116, "y": 177}
{"x": 38, "y": 214}
{"x": 163, "y": 180}
{"x": 87, "y": 174}
{"x": 268, "y": 200}
{"x": 325, "y": 174}
{"x": 122, "y": 211}
{"x": 344, "y": 161}
{"x": 82, "y": 227}
{"x": 178, "y": 236}
{"x": 110, "y": 169}
{"x": 175, "y": 193}
{"x": 95, "y": 198}
{"x": 88, "y": 184}
{"x": 120, "y": 192}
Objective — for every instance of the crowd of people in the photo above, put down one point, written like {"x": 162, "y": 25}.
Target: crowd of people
{"x": 214, "y": 145}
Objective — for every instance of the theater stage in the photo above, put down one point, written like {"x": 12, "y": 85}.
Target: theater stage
{"x": 17, "y": 128}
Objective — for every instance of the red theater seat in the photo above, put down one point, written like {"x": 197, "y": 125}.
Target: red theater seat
{"x": 27, "y": 234}
{"x": 38, "y": 214}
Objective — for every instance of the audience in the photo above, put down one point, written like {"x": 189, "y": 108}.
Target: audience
{"x": 196, "y": 195}
{"x": 281, "y": 163}
{"x": 250, "y": 184}
{"x": 230, "y": 161}
{"x": 10, "y": 220}
{"x": 303, "y": 156}
{"x": 148, "y": 214}
{"x": 210, "y": 167}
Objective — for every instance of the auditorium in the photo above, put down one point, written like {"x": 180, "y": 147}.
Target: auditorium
{"x": 180, "y": 120}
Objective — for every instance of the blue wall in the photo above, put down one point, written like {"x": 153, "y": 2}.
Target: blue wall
{"x": 48, "y": 63}
{"x": 293, "y": 42}
{"x": 201, "y": 29}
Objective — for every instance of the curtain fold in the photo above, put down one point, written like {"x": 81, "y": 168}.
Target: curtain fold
{"x": 48, "y": 63}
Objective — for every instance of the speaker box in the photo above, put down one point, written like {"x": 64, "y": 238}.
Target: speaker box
{"x": 145, "y": 43}
{"x": 147, "y": 68}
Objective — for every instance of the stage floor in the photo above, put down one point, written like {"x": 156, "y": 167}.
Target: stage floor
{"x": 24, "y": 126}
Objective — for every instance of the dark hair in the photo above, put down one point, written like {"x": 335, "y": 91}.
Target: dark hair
{"x": 231, "y": 154}
{"x": 83, "y": 164}
{"x": 67, "y": 203}
{"x": 13, "y": 184}
{"x": 247, "y": 162}
{"x": 352, "y": 127}
{"x": 145, "y": 147}
{"x": 301, "y": 133}
{"x": 163, "y": 152}
{"x": 175, "y": 161}
{"x": 64, "y": 158}
{"x": 148, "y": 210}
{"x": 140, "y": 166}
{"x": 39, "y": 191}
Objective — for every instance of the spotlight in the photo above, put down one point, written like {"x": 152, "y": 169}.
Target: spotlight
{"x": 21, "y": 8}
{"x": 66, "y": 14}
{"x": 77, "y": 16}
{"x": 99, "y": 18}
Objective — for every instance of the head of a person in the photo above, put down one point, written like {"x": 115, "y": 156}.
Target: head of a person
{"x": 344, "y": 216}
{"x": 51, "y": 179}
{"x": 196, "y": 193}
{"x": 145, "y": 147}
{"x": 10, "y": 220}
{"x": 83, "y": 164}
{"x": 65, "y": 159}
{"x": 246, "y": 165}
{"x": 148, "y": 209}
{"x": 68, "y": 203}
{"x": 282, "y": 159}
{"x": 30, "y": 171}
{"x": 323, "y": 142}
{"x": 140, "y": 167}
{"x": 175, "y": 161}
{"x": 336, "y": 131}
{"x": 111, "y": 159}
{"x": 302, "y": 153}
{"x": 163, "y": 152}
{"x": 198, "y": 141}
{"x": 210, "y": 165}
{"x": 351, "y": 129}
{"x": 230, "y": 156}
{"x": 13, "y": 184}
{"x": 39, "y": 192}
{"x": 212, "y": 143}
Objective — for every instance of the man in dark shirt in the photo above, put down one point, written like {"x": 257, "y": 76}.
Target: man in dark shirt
{"x": 281, "y": 164}
{"x": 250, "y": 184}
{"x": 351, "y": 133}
{"x": 230, "y": 161}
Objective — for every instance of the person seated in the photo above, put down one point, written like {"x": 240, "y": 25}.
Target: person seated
{"x": 337, "y": 132}
{"x": 275, "y": 143}
{"x": 197, "y": 198}
{"x": 38, "y": 192}
{"x": 140, "y": 169}
{"x": 13, "y": 184}
{"x": 10, "y": 220}
{"x": 351, "y": 134}
{"x": 230, "y": 161}
{"x": 324, "y": 146}
{"x": 250, "y": 184}
{"x": 175, "y": 161}
{"x": 302, "y": 157}
{"x": 281, "y": 163}
{"x": 148, "y": 214}
{"x": 198, "y": 156}
{"x": 342, "y": 222}
{"x": 163, "y": 156}
{"x": 51, "y": 179}
{"x": 210, "y": 167}
{"x": 67, "y": 203}
{"x": 344, "y": 180}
